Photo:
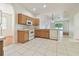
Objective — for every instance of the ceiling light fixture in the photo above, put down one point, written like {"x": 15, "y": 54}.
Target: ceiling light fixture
{"x": 44, "y": 6}
{"x": 34, "y": 9}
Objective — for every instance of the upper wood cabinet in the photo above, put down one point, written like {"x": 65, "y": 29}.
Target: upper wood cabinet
{"x": 35, "y": 22}
{"x": 23, "y": 36}
{"x": 21, "y": 19}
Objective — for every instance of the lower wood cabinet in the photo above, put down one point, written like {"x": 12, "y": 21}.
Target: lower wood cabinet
{"x": 23, "y": 36}
{"x": 42, "y": 33}
{"x": 1, "y": 48}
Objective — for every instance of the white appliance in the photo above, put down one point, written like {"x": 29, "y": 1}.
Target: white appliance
{"x": 29, "y": 22}
{"x": 31, "y": 34}
{"x": 53, "y": 34}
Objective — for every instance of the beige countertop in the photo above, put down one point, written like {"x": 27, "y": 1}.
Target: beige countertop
{"x": 23, "y": 29}
{"x": 2, "y": 38}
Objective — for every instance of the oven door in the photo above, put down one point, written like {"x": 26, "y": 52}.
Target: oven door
{"x": 31, "y": 34}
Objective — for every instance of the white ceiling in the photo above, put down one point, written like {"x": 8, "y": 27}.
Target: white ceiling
{"x": 66, "y": 8}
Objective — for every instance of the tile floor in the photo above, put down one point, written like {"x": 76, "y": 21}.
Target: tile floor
{"x": 43, "y": 47}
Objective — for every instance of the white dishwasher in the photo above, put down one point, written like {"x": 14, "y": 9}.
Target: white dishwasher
{"x": 53, "y": 34}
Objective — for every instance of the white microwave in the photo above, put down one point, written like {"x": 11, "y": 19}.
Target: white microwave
{"x": 29, "y": 22}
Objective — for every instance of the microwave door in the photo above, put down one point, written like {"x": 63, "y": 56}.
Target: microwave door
{"x": 29, "y": 22}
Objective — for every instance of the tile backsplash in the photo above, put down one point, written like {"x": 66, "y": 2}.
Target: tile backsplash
{"x": 18, "y": 26}
{"x": 21, "y": 27}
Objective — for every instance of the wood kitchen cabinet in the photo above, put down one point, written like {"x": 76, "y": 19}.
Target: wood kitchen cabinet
{"x": 35, "y": 22}
{"x": 42, "y": 33}
{"x": 22, "y": 19}
{"x": 1, "y": 48}
{"x": 23, "y": 36}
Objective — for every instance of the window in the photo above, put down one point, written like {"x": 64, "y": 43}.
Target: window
{"x": 58, "y": 25}
{"x": 45, "y": 26}
{"x": 4, "y": 22}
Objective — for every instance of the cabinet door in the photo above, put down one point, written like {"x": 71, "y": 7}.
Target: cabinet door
{"x": 37, "y": 33}
{"x": 22, "y": 36}
{"x": 1, "y": 48}
{"x": 53, "y": 34}
{"x": 42, "y": 33}
{"x": 21, "y": 19}
{"x": 35, "y": 22}
{"x": 26, "y": 36}
{"x": 24, "y": 19}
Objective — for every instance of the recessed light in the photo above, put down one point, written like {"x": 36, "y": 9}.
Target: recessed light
{"x": 44, "y": 6}
{"x": 34, "y": 9}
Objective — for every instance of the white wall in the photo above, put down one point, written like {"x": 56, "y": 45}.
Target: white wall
{"x": 76, "y": 27}
{"x": 66, "y": 26}
{"x": 19, "y": 9}
{"x": 13, "y": 10}
{"x": 8, "y": 9}
{"x": 44, "y": 19}
{"x": 44, "y": 22}
{"x": 47, "y": 18}
{"x": 71, "y": 27}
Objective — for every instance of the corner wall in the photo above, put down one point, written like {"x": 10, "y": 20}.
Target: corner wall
{"x": 8, "y": 9}
{"x": 76, "y": 27}
{"x": 19, "y": 9}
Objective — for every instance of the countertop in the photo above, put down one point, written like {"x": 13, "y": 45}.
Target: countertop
{"x": 2, "y": 38}
{"x": 23, "y": 29}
